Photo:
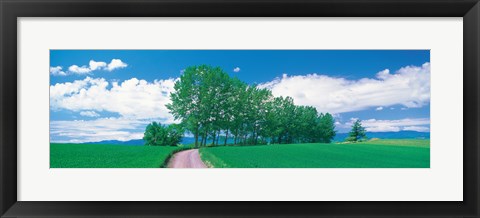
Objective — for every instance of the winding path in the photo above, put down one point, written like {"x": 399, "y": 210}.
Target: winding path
{"x": 186, "y": 159}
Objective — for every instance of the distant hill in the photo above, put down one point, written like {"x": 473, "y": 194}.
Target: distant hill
{"x": 338, "y": 138}
{"x": 116, "y": 142}
{"x": 388, "y": 135}
{"x": 185, "y": 140}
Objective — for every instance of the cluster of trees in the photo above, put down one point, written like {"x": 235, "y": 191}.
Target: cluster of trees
{"x": 160, "y": 135}
{"x": 212, "y": 105}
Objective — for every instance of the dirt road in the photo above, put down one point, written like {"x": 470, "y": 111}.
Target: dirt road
{"x": 186, "y": 159}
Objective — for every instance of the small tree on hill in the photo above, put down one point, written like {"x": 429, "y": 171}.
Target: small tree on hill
{"x": 357, "y": 133}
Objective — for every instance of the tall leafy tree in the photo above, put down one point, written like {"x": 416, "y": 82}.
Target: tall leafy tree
{"x": 186, "y": 100}
{"x": 259, "y": 109}
{"x": 214, "y": 98}
{"x": 288, "y": 120}
{"x": 305, "y": 124}
{"x": 227, "y": 111}
{"x": 280, "y": 120}
{"x": 238, "y": 109}
{"x": 357, "y": 133}
{"x": 199, "y": 101}
{"x": 326, "y": 128}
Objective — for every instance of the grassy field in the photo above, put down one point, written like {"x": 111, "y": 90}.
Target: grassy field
{"x": 107, "y": 156}
{"x": 398, "y": 153}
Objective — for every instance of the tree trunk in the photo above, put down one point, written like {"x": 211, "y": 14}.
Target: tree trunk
{"x": 214, "y": 137}
{"x": 196, "y": 137}
{"x": 235, "y": 139}
{"x": 255, "y": 135}
{"x": 205, "y": 138}
{"x": 226, "y": 138}
{"x": 218, "y": 136}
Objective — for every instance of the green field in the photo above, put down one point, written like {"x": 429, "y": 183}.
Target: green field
{"x": 394, "y": 153}
{"x": 108, "y": 156}
{"x": 404, "y": 153}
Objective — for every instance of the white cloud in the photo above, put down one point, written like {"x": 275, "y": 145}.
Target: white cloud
{"x": 94, "y": 65}
{"x": 57, "y": 71}
{"x": 409, "y": 86}
{"x": 236, "y": 69}
{"x": 379, "y": 108}
{"x": 137, "y": 102}
{"x": 79, "y": 131}
{"x": 417, "y": 128}
{"x": 79, "y": 70}
{"x": 374, "y": 125}
{"x": 133, "y": 98}
{"x": 89, "y": 114}
{"x": 384, "y": 74}
{"x": 116, "y": 64}
{"x": 97, "y": 65}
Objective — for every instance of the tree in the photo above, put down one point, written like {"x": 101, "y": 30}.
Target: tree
{"x": 280, "y": 119}
{"x": 200, "y": 101}
{"x": 175, "y": 134}
{"x": 154, "y": 134}
{"x": 186, "y": 100}
{"x": 357, "y": 133}
{"x": 305, "y": 124}
{"x": 287, "y": 120}
{"x": 238, "y": 109}
{"x": 272, "y": 129}
{"x": 160, "y": 135}
{"x": 326, "y": 128}
{"x": 212, "y": 105}
{"x": 258, "y": 113}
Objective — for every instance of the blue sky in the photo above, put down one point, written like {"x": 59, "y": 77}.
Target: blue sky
{"x": 112, "y": 94}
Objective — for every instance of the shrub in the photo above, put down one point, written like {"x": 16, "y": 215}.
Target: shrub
{"x": 161, "y": 135}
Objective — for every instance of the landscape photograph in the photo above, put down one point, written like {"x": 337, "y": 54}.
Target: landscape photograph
{"x": 239, "y": 108}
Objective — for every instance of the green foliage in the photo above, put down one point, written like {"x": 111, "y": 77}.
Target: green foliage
{"x": 402, "y": 153}
{"x": 161, "y": 135}
{"x": 326, "y": 128}
{"x": 357, "y": 133}
{"x": 200, "y": 98}
{"x": 175, "y": 134}
{"x": 212, "y": 105}
{"x": 108, "y": 156}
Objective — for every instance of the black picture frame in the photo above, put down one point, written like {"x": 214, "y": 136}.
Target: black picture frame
{"x": 10, "y": 10}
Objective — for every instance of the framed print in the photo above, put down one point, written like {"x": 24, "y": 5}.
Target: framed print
{"x": 267, "y": 108}
{"x": 205, "y": 116}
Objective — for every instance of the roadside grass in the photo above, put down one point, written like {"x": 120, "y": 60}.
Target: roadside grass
{"x": 397, "y": 153}
{"x": 109, "y": 156}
